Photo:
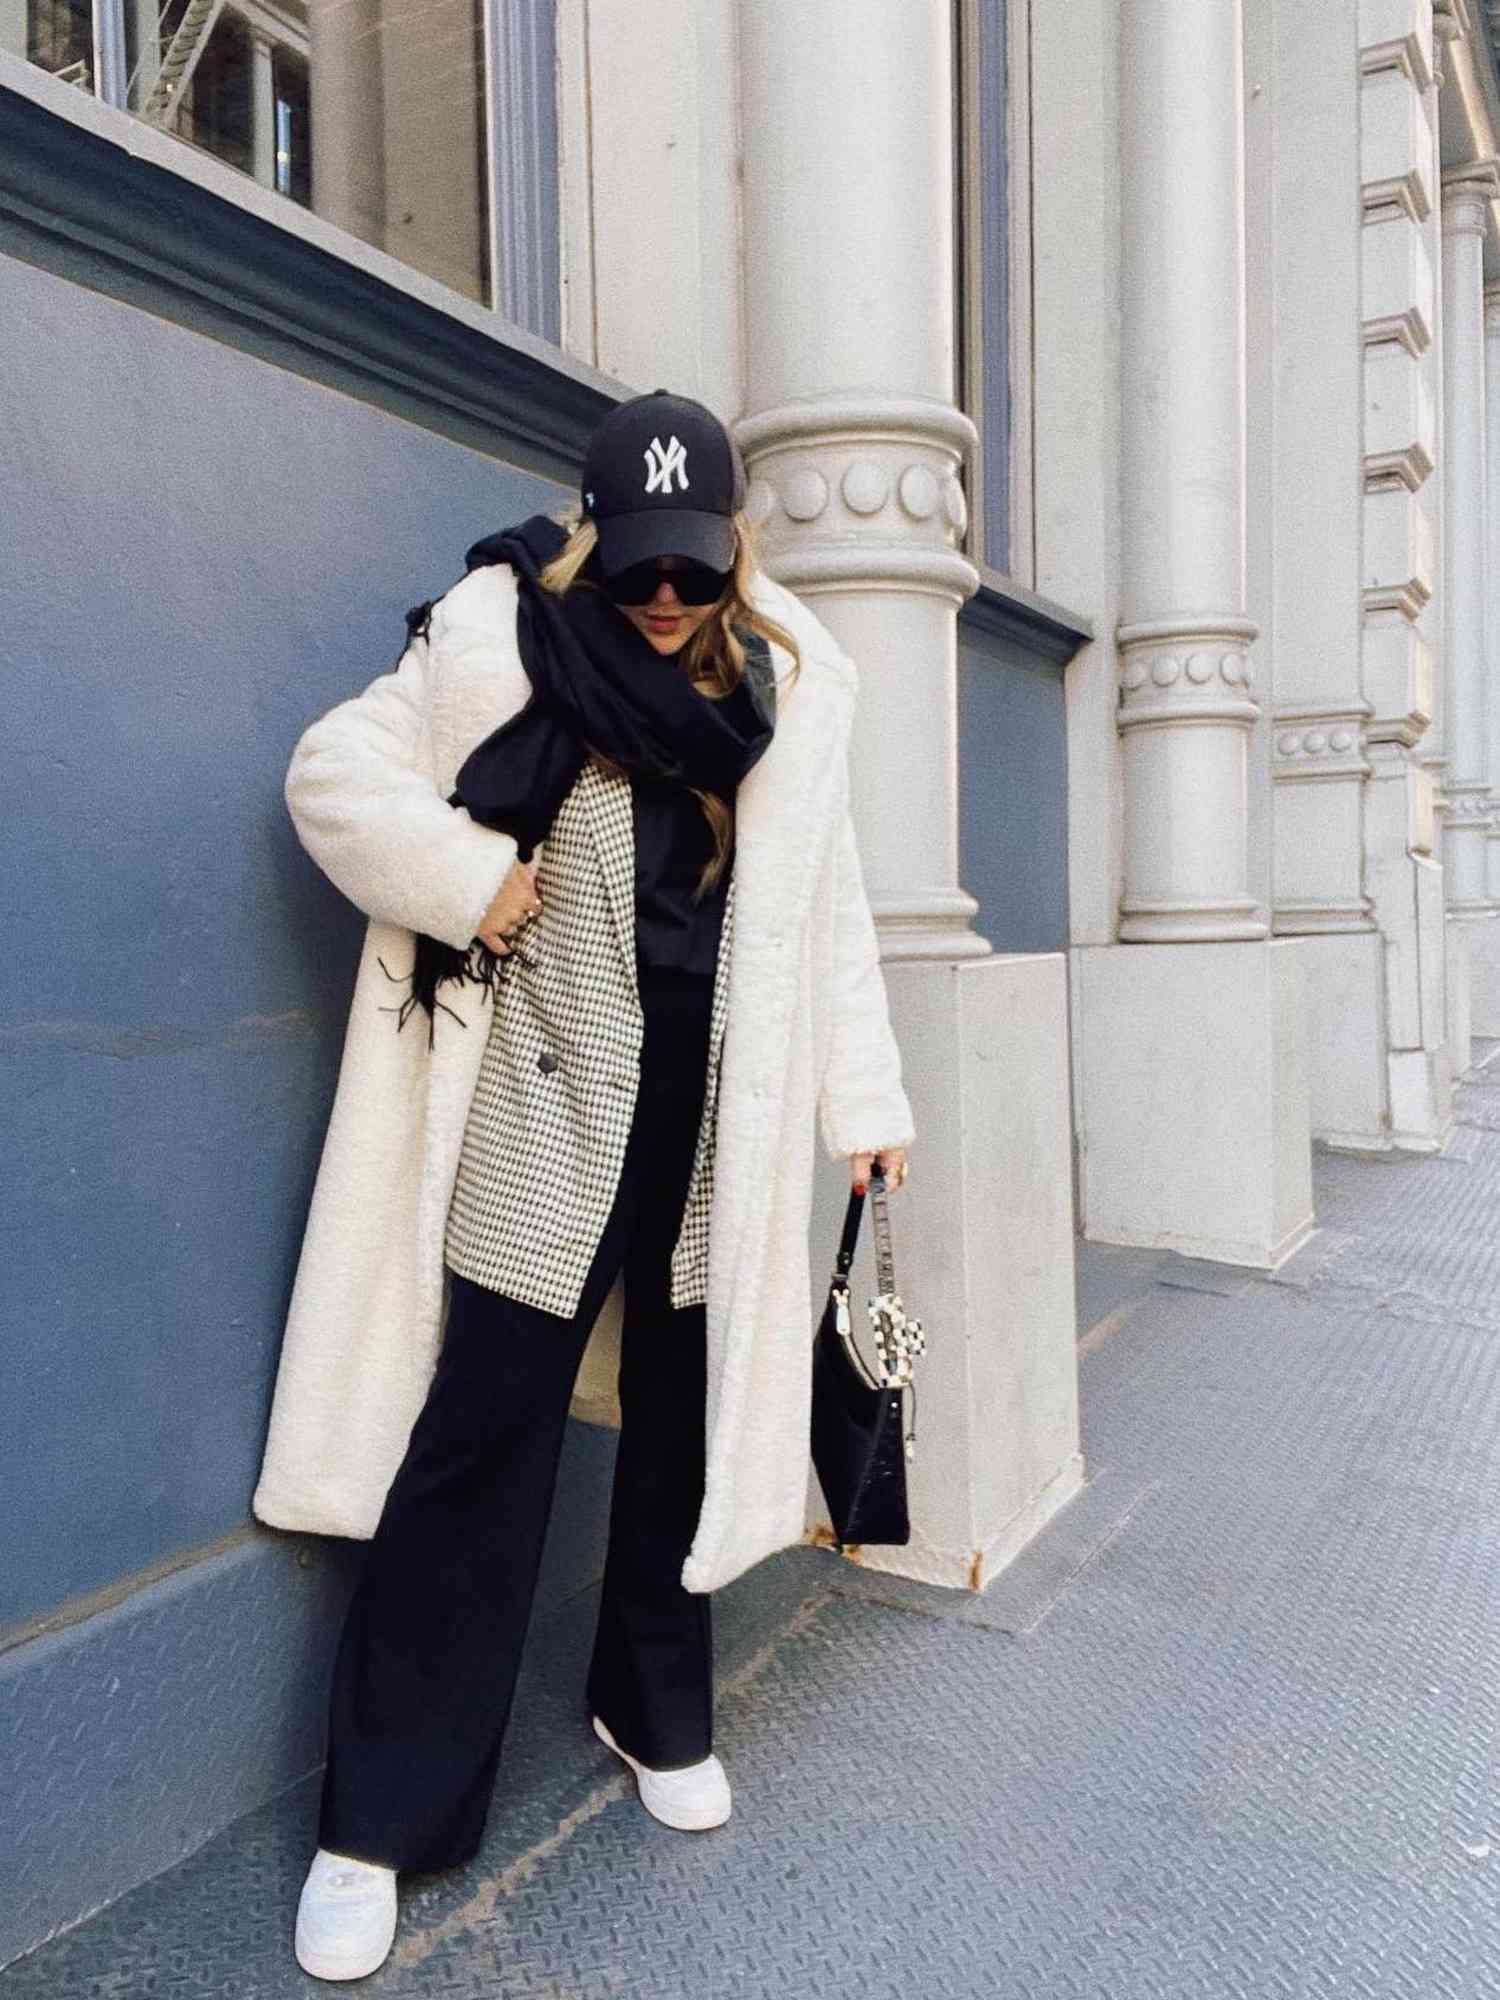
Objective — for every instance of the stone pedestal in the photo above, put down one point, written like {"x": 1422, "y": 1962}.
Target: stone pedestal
{"x": 1192, "y": 1093}
{"x": 1484, "y": 977}
{"x": 1348, "y": 1081}
{"x": 983, "y": 1240}
{"x": 1462, "y": 937}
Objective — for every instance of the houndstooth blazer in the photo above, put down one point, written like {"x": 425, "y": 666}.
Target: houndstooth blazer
{"x": 551, "y": 1113}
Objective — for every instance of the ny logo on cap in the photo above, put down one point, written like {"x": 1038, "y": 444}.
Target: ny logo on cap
{"x": 661, "y": 464}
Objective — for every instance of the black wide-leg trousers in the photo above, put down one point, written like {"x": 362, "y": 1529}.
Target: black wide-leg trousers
{"x": 430, "y": 1647}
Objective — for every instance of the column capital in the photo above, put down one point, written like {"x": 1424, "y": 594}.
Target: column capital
{"x": 1467, "y": 191}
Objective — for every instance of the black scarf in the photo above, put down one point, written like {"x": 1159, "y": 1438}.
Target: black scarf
{"x": 597, "y": 683}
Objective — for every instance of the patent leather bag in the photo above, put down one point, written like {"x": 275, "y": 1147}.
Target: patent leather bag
{"x": 859, "y": 1449}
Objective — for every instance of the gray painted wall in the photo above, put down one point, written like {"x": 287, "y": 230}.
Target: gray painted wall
{"x": 1013, "y": 792}
{"x": 211, "y": 551}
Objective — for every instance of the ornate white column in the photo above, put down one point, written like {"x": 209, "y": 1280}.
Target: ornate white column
{"x": 1492, "y": 572}
{"x": 855, "y": 449}
{"x": 1186, "y": 707}
{"x": 1467, "y": 191}
{"x": 855, "y": 452}
{"x": 1191, "y": 1033}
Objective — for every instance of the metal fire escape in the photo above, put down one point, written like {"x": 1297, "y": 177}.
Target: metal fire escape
{"x": 179, "y": 58}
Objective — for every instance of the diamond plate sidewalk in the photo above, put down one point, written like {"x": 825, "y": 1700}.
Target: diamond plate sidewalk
{"x": 1227, "y": 1728}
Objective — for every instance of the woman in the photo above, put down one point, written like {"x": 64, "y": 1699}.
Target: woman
{"x": 592, "y": 1145}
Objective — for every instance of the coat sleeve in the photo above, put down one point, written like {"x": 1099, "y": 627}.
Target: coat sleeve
{"x": 374, "y": 821}
{"x": 862, "y": 1105}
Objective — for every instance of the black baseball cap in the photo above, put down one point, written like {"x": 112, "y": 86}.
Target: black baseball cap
{"x": 662, "y": 476}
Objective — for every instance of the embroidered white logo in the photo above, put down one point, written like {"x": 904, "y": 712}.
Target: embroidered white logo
{"x": 588, "y": 499}
{"x": 661, "y": 464}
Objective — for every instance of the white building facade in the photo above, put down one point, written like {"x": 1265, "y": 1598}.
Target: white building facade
{"x": 1118, "y": 379}
{"x": 1286, "y": 930}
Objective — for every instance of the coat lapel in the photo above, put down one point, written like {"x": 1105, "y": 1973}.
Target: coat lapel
{"x": 610, "y": 811}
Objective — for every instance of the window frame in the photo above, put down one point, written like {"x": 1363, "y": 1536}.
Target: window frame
{"x": 89, "y": 191}
{"x": 992, "y": 65}
{"x": 518, "y": 56}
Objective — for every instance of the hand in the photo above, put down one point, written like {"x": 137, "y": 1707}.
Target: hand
{"x": 892, "y": 1164}
{"x": 516, "y": 902}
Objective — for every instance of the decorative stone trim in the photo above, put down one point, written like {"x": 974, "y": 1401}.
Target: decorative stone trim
{"x": 1292, "y": 918}
{"x": 1408, "y": 330}
{"x": 1407, "y": 54}
{"x": 1407, "y": 597}
{"x": 849, "y": 419}
{"x": 1320, "y": 743}
{"x": 862, "y": 489}
{"x": 1469, "y": 808}
{"x": 1171, "y": 673}
{"x": 1190, "y": 919}
{"x": 1395, "y": 75}
{"x": 874, "y": 565}
{"x": 1321, "y": 753}
{"x": 1408, "y": 465}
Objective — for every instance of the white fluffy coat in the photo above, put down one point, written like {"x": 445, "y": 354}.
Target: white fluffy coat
{"x": 807, "y": 1045}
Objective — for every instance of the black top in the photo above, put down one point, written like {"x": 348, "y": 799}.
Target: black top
{"x": 672, "y": 842}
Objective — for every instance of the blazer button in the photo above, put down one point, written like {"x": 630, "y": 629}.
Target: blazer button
{"x": 546, "y": 1061}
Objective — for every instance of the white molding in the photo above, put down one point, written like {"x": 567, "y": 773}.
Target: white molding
{"x": 972, "y": 307}
{"x": 575, "y": 177}
{"x": 1019, "y": 293}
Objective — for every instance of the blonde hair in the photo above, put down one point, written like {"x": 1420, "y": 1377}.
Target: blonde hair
{"x": 713, "y": 658}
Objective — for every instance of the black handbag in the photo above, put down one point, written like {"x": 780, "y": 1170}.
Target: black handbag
{"x": 858, "y": 1448}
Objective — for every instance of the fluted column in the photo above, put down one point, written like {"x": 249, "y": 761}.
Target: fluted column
{"x": 852, "y": 442}
{"x": 1186, "y": 708}
{"x": 1467, "y": 191}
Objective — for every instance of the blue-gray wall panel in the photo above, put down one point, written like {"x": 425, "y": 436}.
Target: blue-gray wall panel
{"x": 211, "y": 551}
{"x": 1013, "y": 793}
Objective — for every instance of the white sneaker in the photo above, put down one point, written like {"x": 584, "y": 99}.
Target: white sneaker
{"x": 346, "y": 1920}
{"x": 694, "y": 1797}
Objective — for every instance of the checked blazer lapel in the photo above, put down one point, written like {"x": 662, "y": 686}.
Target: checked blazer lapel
{"x": 610, "y": 811}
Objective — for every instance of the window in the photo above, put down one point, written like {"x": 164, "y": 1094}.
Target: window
{"x": 373, "y": 117}
{"x": 991, "y": 274}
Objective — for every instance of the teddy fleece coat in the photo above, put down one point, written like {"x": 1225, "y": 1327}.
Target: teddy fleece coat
{"x": 807, "y": 1047}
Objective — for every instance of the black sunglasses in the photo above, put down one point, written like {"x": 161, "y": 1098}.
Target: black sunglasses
{"x": 694, "y": 582}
